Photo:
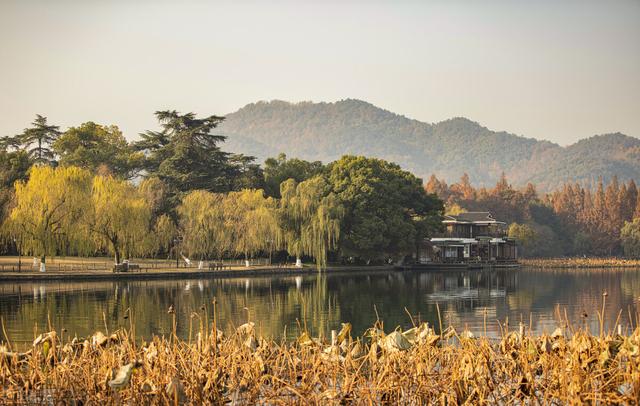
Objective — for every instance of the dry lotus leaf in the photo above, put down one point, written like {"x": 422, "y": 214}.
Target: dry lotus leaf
{"x": 357, "y": 351}
{"x": 433, "y": 339}
{"x": 467, "y": 335}
{"x": 45, "y": 337}
{"x": 123, "y": 376}
{"x": 99, "y": 339}
{"x": 395, "y": 341}
{"x": 246, "y": 328}
{"x": 557, "y": 333}
{"x": 545, "y": 344}
{"x": 251, "y": 343}
{"x": 151, "y": 353}
{"x": 305, "y": 340}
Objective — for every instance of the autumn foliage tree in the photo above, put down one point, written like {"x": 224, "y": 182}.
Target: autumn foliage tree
{"x": 573, "y": 220}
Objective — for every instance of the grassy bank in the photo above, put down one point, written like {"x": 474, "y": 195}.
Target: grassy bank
{"x": 580, "y": 262}
{"x": 398, "y": 367}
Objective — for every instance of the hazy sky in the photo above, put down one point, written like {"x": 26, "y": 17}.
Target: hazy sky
{"x": 546, "y": 69}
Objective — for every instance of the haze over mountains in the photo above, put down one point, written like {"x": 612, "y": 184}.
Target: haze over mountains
{"x": 326, "y": 131}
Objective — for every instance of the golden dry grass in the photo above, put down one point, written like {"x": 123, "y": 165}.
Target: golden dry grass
{"x": 412, "y": 367}
{"x": 580, "y": 262}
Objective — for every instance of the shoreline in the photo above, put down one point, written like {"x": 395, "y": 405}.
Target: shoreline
{"x": 185, "y": 273}
{"x": 266, "y": 270}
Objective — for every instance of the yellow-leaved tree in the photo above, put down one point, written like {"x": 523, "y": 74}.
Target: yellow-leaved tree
{"x": 162, "y": 236}
{"x": 202, "y": 224}
{"x": 48, "y": 208}
{"x": 252, "y": 219}
{"x": 309, "y": 218}
{"x": 118, "y": 219}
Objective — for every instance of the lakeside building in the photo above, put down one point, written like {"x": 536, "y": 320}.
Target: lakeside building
{"x": 473, "y": 237}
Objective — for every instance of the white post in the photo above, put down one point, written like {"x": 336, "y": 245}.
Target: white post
{"x": 246, "y": 263}
{"x": 298, "y": 262}
{"x": 43, "y": 267}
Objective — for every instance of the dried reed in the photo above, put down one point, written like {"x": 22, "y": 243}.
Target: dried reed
{"x": 412, "y": 367}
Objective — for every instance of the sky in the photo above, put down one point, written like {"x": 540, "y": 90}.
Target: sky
{"x": 554, "y": 70}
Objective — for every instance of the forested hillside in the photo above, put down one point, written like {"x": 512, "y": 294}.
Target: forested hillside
{"x": 326, "y": 131}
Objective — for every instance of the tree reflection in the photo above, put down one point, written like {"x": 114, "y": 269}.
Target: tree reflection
{"x": 284, "y": 305}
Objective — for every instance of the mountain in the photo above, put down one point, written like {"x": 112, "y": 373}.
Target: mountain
{"x": 326, "y": 131}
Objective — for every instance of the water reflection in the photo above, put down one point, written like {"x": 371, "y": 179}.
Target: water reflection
{"x": 283, "y": 305}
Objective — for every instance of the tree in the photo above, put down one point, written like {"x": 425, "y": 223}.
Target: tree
{"x": 630, "y": 235}
{"x": 118, "y": 219}
{"x": 383, "y": 205}
{"x": 163, "y": 235}
{"x": 37, "y": 140}
{"x": 203, "y": 225}
{"x": 524, "y": 234}
{"x": 249, "y": 174}
{"x": 98, "y": 148}
{"x": 156, "y": 193}
{"x": 252, "y": 219}
{"x": 309, "y": 217}
{"x": 277, "y": 170}
{"x": 186, "y": 156}
{"x": 48, "y": 207}
{"x": 455, "y": 209}
{"x": 463, "y": 190}
{"x": 14, "y": 166}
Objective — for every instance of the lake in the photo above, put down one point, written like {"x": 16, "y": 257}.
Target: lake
{"x": 281, "y": 305}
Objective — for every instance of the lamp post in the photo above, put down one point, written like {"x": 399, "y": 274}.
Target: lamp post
{"x": 176, "y": 241}
{"x": 15, "y": 242}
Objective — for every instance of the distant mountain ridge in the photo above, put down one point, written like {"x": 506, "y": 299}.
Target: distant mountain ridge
{"x": 326, "y": 131}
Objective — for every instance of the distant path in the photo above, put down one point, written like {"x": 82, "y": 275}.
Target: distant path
{"x": 177, "y": 273}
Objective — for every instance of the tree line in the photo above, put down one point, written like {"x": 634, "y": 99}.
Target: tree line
{"x": 87, "y": 191}
{"x": 574, "y": 220}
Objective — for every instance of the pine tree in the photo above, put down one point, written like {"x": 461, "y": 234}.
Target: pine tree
{"x": 37, "y": 140}
{"x": 186, "y": 155}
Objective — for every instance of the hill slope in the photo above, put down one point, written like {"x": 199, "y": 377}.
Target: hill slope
{"x": 326, "y": 131}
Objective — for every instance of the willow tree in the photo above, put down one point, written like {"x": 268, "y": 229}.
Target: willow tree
{"x": 202, "y": 224}
{"x": 162, "y": 236}
{"x": 48, "y": 208}
{"x": 119, "y": 216}
{"x": 309, "y": 218}
{"x": 252, "y": 218}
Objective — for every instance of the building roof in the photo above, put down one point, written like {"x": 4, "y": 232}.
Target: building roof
{"x": 472, "y": 217}
{"x": 455, "y": 240}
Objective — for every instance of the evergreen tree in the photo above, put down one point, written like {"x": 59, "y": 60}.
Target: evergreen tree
{"x": 98, "y": 148}
{"x": 186, "y": 155}
{"x": 37, "y": 140}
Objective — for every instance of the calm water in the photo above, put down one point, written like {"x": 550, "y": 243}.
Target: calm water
{"x": 476, "y": 299}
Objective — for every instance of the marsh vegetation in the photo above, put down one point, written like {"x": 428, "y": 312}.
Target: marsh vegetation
{"x": 239, "y": 366}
